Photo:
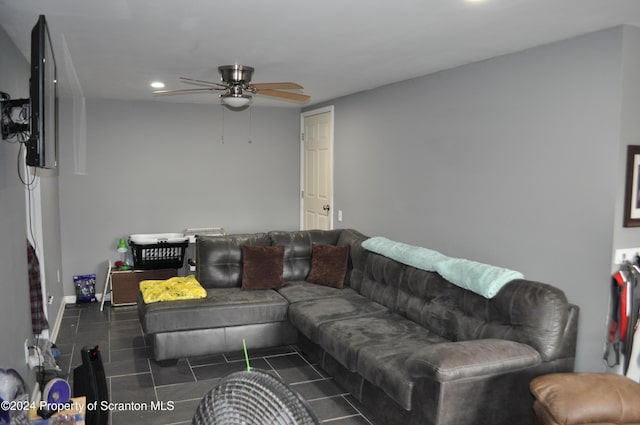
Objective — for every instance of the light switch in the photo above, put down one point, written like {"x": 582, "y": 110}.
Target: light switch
{"x": 628, "y": 254}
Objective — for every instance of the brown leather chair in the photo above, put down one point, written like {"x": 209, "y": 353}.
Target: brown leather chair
{"x": 585, "y": 398}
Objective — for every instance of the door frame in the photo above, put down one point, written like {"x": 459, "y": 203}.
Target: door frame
{"x": 303, "y": 115}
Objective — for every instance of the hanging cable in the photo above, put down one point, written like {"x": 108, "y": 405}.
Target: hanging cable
{"x": 250, "y": 126}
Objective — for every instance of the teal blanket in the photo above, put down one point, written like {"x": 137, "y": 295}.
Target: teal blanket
{"x": 480, "y": 278}
{"x": 483, "y": 279}
{"x": 414, "y": 256}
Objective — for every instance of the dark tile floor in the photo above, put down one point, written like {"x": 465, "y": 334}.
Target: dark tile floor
{"x": 133, "y": 375}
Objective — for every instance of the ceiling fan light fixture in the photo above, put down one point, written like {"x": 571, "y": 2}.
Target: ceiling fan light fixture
{"x": 235, "y": 100}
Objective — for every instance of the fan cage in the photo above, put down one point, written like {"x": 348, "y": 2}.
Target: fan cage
{"x": 253, "y": 398}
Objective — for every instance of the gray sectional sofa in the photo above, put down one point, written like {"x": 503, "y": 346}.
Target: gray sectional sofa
{"x": 412, "y": 347}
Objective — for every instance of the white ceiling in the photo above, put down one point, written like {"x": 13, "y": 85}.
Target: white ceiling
{"x": 115, "y": 48}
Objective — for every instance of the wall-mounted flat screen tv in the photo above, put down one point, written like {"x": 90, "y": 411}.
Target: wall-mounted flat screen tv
{"x": 42, "y": 146}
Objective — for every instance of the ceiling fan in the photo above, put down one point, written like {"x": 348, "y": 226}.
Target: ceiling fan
{"x": 237, "y": 87}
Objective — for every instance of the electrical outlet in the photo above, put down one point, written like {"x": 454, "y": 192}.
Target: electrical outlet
{"x": 626, "y": 254}
{"x": 26, "y": 351}
{"x": 50, "y": 299}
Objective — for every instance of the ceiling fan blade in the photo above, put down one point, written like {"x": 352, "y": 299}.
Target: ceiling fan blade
{"x": 194, "y": 81}
{"x": 296, "y": 97}
{"x": 209, "y": 89}
{"x": 277, "y": 86}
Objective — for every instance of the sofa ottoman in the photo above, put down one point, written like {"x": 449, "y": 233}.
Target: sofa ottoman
{"x": 585, "y": 398}
{"x": 216, "y": 323}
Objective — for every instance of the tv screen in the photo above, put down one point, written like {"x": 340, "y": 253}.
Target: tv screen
{"x": 42, "y": 147}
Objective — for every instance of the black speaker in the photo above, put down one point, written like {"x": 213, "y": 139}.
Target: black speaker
{"x": 90, "y": 381}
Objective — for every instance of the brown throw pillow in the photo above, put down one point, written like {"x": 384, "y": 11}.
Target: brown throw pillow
{"x": 262, "y": 267}
{"x": 329, "y": 265}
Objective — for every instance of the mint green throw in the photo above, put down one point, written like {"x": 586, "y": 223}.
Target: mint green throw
{"x": 483, "y": 279}
{"x": 415, "y": 256}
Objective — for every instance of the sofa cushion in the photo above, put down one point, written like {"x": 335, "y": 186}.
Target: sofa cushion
{"x": 222, "y": 307}
{"x": 298, "y": 249}
{"x": 357, "y": 255}
{"x": 381, "y": 279}
{"x": 308, "y": 316}
{"x": 219, "y": 258}
{"x": 262, "y": 267}
{"x": 343, "y": 339}
{"x": 304, "y": 291}
{"x": 329, "y": 265}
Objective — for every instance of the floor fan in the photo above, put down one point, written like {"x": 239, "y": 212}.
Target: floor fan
{"x": 253, "y": 397}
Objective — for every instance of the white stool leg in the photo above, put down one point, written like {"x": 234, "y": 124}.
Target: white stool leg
{"x": 107, "y": 283}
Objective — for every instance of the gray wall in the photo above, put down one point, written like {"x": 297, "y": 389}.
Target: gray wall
{"x": 155, "y": 167}
{"x": 628, "y": 237}
{"x": 512, "y": 161}
{"x": 15, "y": 316}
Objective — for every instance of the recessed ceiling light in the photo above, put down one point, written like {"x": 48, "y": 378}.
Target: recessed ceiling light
{"x": 157, "y": 85}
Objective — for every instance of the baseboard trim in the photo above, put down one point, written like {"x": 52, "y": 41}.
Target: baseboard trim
{"x": 71, "y": 299}
{"x": 56, "y": 325}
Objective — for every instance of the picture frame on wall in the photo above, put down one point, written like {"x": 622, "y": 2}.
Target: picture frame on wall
{"x": 632, "y": 190}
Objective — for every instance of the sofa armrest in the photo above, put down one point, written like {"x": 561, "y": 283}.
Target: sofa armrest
{"x": 450, "y": 361}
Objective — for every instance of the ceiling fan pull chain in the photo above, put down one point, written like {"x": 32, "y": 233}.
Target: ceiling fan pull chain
{"x": 250, "y": 126}
{"x": 222, "y": 135}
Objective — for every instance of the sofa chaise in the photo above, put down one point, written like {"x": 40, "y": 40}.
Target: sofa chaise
{"x": 411, "y": 346}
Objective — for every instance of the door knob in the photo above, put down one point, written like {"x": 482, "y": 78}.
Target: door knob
{"x": 326, "y": 207}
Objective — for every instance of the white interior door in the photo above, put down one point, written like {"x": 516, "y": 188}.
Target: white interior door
{"x": 317, "y": 169}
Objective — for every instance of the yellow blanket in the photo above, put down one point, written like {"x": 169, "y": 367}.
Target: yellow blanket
{"x": 174, "y": 289}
